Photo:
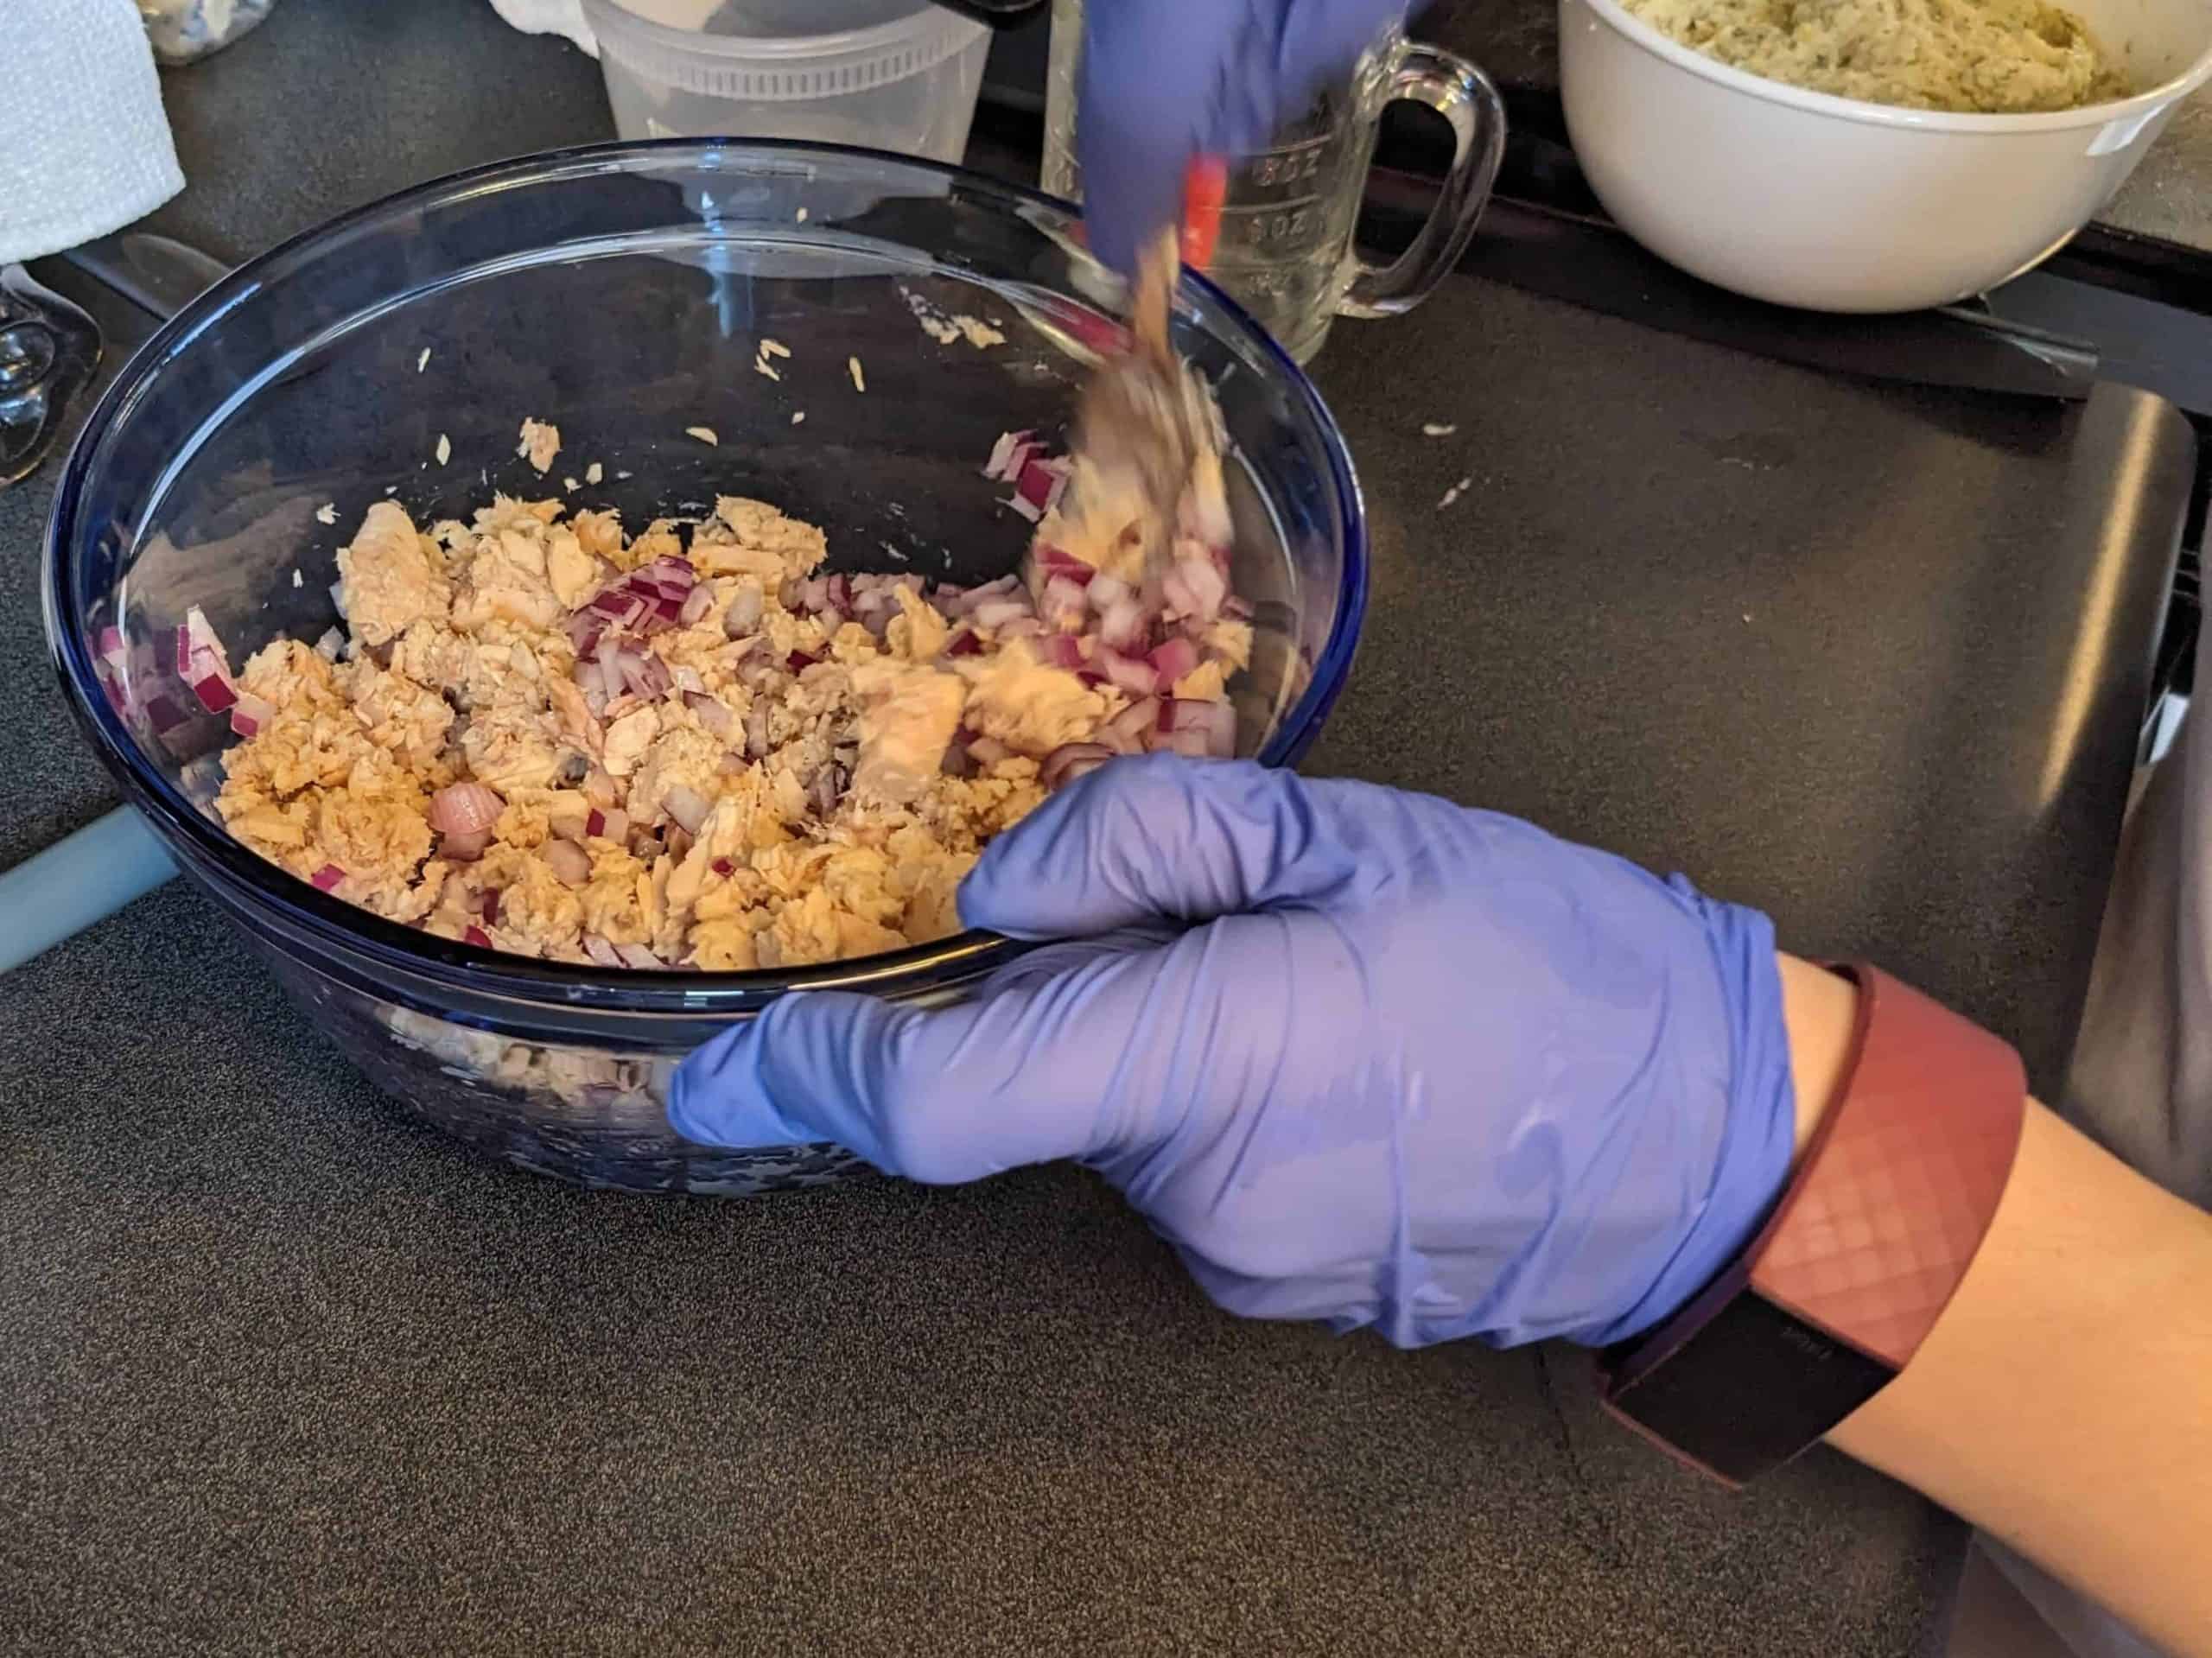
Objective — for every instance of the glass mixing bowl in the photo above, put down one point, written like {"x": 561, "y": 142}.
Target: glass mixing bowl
{"x": 621, "y": 292}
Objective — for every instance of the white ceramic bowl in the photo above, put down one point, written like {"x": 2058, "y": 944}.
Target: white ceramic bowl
{"x": 1836, "y": 205}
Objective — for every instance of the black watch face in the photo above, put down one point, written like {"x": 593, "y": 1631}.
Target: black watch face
{"x": 1746, "y": 1391}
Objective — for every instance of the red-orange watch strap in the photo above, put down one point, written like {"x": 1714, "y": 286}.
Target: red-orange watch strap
{"x": 1865, "y": 1250}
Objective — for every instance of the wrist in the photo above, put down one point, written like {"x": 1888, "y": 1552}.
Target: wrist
{"x": 1820, "y": 1011}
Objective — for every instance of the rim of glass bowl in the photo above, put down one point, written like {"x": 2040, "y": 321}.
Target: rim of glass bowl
{"x": 918, "y": 970}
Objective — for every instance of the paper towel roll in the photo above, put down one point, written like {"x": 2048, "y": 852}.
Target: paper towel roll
{"x": 84, "y": 147}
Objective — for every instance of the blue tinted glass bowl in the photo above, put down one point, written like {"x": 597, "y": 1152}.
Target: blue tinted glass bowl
{"x": 621, "y": 292}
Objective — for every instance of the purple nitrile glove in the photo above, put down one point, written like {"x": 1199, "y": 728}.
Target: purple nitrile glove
{"x": 1163, "y": 80}
{"x": 1359, "y": 1055}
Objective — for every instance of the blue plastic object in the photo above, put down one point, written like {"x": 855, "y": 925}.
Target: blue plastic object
{"x": 81, "y": 879}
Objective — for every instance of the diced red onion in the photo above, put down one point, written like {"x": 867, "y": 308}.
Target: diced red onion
{"x": 1022, "y": 505}
{"x": 965, "y": 642}
{"x": 639, "y": 956}
{"x": 1006, "y": 455}
{"x": 477, "y": 937}
{"x": 1071, "y": 761}
{"x": 687, "y": 806}
{"x": 1195, "y": 587}
{"x": 331, "y": 644}
{"x": 712, "y": 713}
{"x": 1040, "y": 482}
{"x": 756, "y": 731}
{"x": 164, "y": 714}
{"x": 997, "y": 612}
{"x": 799, "y": 661}
{"x": 1021, "y": 627}
{"x": 1052, "y": 560}
{"x": 613, "y": 825}
{"x": 687, "y": 679}
{"x": 488, "y": 906}
{"x": 838, "y": 591}
{"x": 1201, "y": 730}
{"x": 1131, "y": 673}
{"x": 598, "y": 786}
{"x": 697, "y": 603}
{"x": 744, "y": 612}
{"x": 465, "y": 808}
{"x": 1174, "y": 659}
{"x": 570, "y": 863}
{"x": 464, "y": 848}
{"x": 643, "y": 674}
{"x": 251, "y": 713}
{"x": 1105, "y": 591}
{"x": 600, "y": 951}
{"x": 988, "y": 751}
{"x": 328, "y": 877}
{"x": 1064, "y": 651}
{"x": 829, "y": 786}
{"x": 1062, "y": 603}
{"x": 1123, "y": 625}
{"x": 1127, "y": 731}
{"x": 723, "y": 867}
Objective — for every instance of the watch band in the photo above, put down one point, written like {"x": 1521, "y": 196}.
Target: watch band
{"x": 1859, "y": 1258}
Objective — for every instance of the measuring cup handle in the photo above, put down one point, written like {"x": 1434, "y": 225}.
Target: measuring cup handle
{"x": 1463, "y": 95}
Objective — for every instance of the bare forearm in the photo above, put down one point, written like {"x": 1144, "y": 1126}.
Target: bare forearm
{"x": 2064, "y": 1399}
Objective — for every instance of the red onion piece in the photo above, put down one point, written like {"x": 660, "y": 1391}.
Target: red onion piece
{"x": 997, "y": 612}
{"x": 600, "y": 951}
{"x": 1123, "y": 625}
{"x": 1127, "y": 730}
{"x": 1174, "y": 659}
{"x": 1062, "y": 603}
{"x": 331, "y": 644}
{"x": 598, "y": 786}
{"x": 697, "y": 603}
{"x": 1195, "y": 587}
{"x": 756, "y": 731}
{"x": 328, "y": 877}
{"x": 1130, "y": 674}
{"x": 1071, "y": 761}
{"x": 570, "y": 863}
{"x": 1064, "y": 651}
{"x": 465, "y": 808}
{"x": 639, "y": 956}
{"x": 712, "y": 713}
{"x": 251, "y": 713}
{"x": 837, "y": 590}
{"x": 1203, "y": 730}
{"x": 799, "y": 661}
{"x": 988, "y": 751}
{"x": 488, "y": 906}
{"x": 687, "y": 806}
{"x": 828, "y": 788}
{"x": 464, "y": 848}
{"x": 477, "y": 937}
{"x": 1040, "y": 481}
{"x": 687, "y": 680}
{"x": 1007, "y": 454}
{"x": 1022, "y": 505}
{"x": 723, "y": 867}
{"x": 965, "y": 642}
{"x": 1052, "y": 560}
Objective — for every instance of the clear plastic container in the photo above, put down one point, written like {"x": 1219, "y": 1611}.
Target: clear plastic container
{"x": 620, "y": 291}
{"x": 900, "y": 75}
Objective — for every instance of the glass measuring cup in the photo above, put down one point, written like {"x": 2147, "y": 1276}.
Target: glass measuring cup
{"x": 1285, "y": 251}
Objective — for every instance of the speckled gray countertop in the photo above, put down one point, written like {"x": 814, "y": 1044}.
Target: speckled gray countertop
{"x": 281, "y": 1372}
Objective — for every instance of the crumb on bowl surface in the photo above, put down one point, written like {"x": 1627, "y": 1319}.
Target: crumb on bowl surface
{"x": 1989, "y": 57}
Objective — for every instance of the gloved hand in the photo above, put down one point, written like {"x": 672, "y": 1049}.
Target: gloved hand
{"x": 1163, "y": 80}
{"x": 1359, "y": 1055}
